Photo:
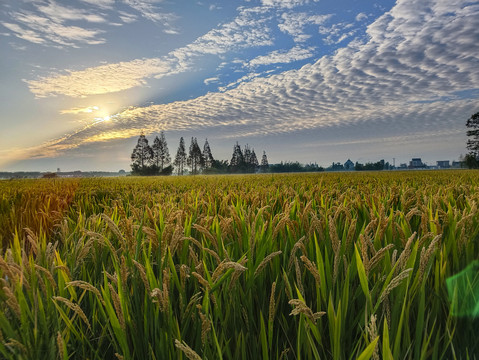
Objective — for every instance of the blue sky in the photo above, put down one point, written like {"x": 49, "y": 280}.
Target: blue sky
{"x": 313, "y": 81}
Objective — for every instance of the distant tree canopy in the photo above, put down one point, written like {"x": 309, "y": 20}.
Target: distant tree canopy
{"x": 286, "y": 167}
{"x": 141, "y": 156}
{"x": 156, "y": 160}
{"x": 380, "y": 165}
{"x": 147, "y": 160}
{"x": 243, "y": 161}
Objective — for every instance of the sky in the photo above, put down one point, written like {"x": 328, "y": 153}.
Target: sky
{"x": 304, "y": 80}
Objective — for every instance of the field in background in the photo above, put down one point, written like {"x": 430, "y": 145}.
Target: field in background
{"x": 330, "y": 266}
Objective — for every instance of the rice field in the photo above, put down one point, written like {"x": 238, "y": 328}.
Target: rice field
{"x": 310, "y": 266}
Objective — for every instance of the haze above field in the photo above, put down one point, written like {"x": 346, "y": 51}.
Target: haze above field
{"x": 306, "y": 80}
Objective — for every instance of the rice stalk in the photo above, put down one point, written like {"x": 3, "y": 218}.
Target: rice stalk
{"x": 265, "y": 262}
{"x": 300, "y": 307}
{"x": 189, "y": 352}
{"x": 75, "y": 308}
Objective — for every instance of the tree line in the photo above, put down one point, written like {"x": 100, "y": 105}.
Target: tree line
{"x": 156, "y": 159}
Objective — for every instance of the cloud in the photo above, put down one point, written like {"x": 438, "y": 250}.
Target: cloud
{"x": 149, "y": 10}
{"x": 283, "y": 57}
{"x": 244, "y": 78}
{"x": 337, "y": 33}
{"x": 47, "y": 25}
{"x": 293, "y": 23}
{"x": 58, "y": 13}
{"x": 74, "y": 111}
{"x": 25, "y": 34}
{"x": 249, "y": 29}
{"x": 210, "y": 80}
{"x": 361, "y": 16}
{"x": 104, "y": 4}
{"x": 404, "y": 79}
{"x": 285, "y": 3}
{"x": 101, "y": 79}
{"x": 127, "y": 17}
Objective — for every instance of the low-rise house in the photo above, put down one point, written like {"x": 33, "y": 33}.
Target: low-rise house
{"x": 443, "y": 164}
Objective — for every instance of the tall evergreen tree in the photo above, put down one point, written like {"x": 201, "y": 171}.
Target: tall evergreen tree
{"x": 207, "y": 156}
{"x": 195, "y": 157}
{"x": 253, "y": 161}
{"x": 141, "y": 156}
{"x": 250, "y": 160}
{"x": 156, "y": 152}
{"x": 473, "y": 134}
{"x": 161, "y": 155}
{"x": 247, "y": 155}
{"x": 237, "y": 160}
{"x": 180, "y": 159}
{"x": 264, "y": 162}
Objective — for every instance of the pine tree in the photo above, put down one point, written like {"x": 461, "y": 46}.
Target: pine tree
{"x": 161, "y": 154}
{"x": 264, "y": 162}
{"x": 253, "y": 161}
{"x": 207, "y": 156}
{"x": 237, "y": 160}
{"x": 473, "y": 141}
{"x": 180, "y": 159}
{"x": 141, "y": 156}
{"x": 156, "y": 147}
{"x": 195, "y": 157}
{"x": 247, "y": 155}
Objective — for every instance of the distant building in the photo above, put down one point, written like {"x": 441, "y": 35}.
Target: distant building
{"x": 443, "y": 164}
{"x": 457, "y": 164}
{"x": 416, "y": 163}
{"x": 348, "y": 165}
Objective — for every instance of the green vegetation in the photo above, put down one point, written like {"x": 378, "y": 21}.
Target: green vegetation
{"x": 330, "y": 266}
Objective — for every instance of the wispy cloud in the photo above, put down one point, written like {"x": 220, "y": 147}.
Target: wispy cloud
{"x": 294, "y": 23}
{"x": 249, "y": 29}
{"x": 283, "y": 57}
{"x": 25, "y": 34}
{"x": 211, "y": 80}
{"x": 244, "y": 78}
{"x": 85, "y": 110}
{"x": 58, "y": 13}
{"x": 104, "y": 4}
{"x": 101, "y": 79}
{"x": 336, "y": 33}
{"x": 50, "y": 23}
{"x": 127, "y": 17}
{"x": 152, "y": 11}
{"x": 285, "y": 3}
{"x": 47, "y": 25}
{"x": 361, "y": 16}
